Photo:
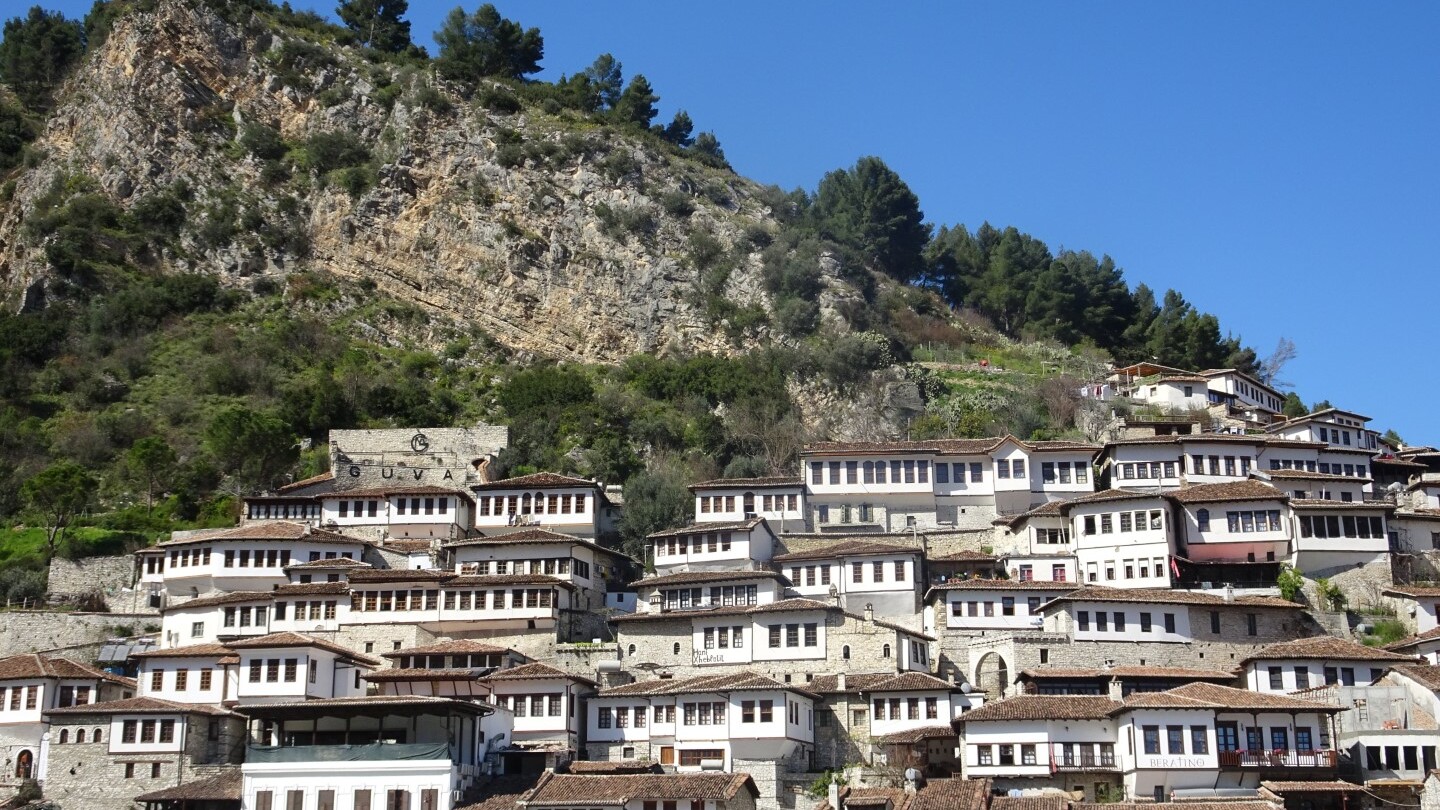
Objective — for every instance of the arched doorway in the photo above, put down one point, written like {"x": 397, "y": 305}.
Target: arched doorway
{"x": 992, "y": 674}
{"x": 24, "y": 765}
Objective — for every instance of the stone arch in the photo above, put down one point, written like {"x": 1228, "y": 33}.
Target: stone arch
{"x": 25, "y": 765}
{"x": 64, "y": 736}
{"x": 992, "y": 674}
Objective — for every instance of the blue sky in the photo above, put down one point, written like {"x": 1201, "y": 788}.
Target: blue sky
{"x": 1275, "y": 162}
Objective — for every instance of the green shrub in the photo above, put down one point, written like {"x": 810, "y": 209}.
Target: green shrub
{"x": 510, "y": 155}
{"x": 500, "y": 100}
{"x": 677, "y": 204}
{"x": 327, "y": 151}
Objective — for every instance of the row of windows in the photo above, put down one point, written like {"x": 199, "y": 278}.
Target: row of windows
{"x": 710, "y": 543}
{"x": 549, "y": 566}
{"x": 1082, "y": 619}
{"x": 313, "y": 610}
{"x": 271, "y": 669}
{"x": 1243, "y": 521}
{"x": 15, "y": 696}
{"x": 790, "y": 635}
{"x": 539, "y": 504}
{"x": 1324, "y": 526}
{"x": 1344, "y": 676}
{"x": 685, "y": 598}
{"x": 874, "y": 472}
{"x": 241, "y": 617}
{"x": 95, "y": 736}
{"x": 395, "y": 799}
{"x": 1027, "y": 572}
{"x": 1052, "y": 537}
{"x": 471, "y": 661}
{"x": 768, "y": 503}
{"x": 892, "y": 708}
{"x": 147, "y": 731}
{"x": 1145, "y": 470}
{"x": 1354, "y": 470}
{"x": 546, "y": 705}
{"x": 359, "y": 508}
{"x": 1226, "y": 739}
{"x": 986, "y": 754}
{"x": 865, "y": 513}
{"x": 1128, "y": 567}
{"x": 1234, "y": 467}
{"x": 724, "y": 637}
{"x": 182, "y": 679}
{"x": 1137, "y": 521}
{"x": 1010, "y": 468}
{"x": 976, "y": 470}
{"x": 283, "y": 511}
{"x": 1051, "y": 472}
{"x": 1007, "y": 607}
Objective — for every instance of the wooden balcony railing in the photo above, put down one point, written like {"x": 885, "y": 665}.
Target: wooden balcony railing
{"x": 1278, "y": 758}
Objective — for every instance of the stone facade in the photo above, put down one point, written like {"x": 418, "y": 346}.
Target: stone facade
{"x": 87, "y": 775}
{"x": 72, "y": 635}
{"x": 111, "y": 577}
{"x": 448, "y": 457}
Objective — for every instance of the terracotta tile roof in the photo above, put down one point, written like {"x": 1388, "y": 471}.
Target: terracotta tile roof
{"x": 1185, "y": 438}
{"x": 222, "y": 788}
{"x": 880, "y": 682}
{"x": 400, "y": 575}
{"x": 388, "y": 492}
{"x": 742, "y": 682}
{"x": 231, "y": 598}
{"x": 1129, "y": 672}
{"x": 746, "y": 483}
{"x": 336, "y": 563}
{"x": 1101, "y": 593}
{"x": 459, "y": 646}
{"x": 530, "y": 672}
{"x": 1043, "y": 707}
{"x": 311, "y": 588}
{"x": 419, "y": 674}
{"x": 405, "y": 546}
{"x": 585, "y": 789}
{"x": 1241, "y": 804}
{"x": 31, "y": 665}
{"x": 521, "y": 536}
{"x": 848, "y": 548}
{"x": 1047, "y": 509}
{"x": 1316, "y": 503}
{"x": 1248, "y": 490}
{"x": 1004, "y": 585}
{"x": 702, "y": 528}
{"x": 1105, "y": 495}
{"x": 1425, "y": 674}
{"x": 1324, "y": 648}
{"x": 1051, "y": 802}
{"x": 917, "y": 735}
{"x": 1224, "y": 697}
{"x": 139, "y": 705}
{"x": 1412, "y": 641}
{"x": 190, "y": 651}
{"x": 962, "y": 446}
{"x": 693, "y": 577}
{"x": 952, "y": 794}
{"x": 543, "y": 480}
{"x": 1312, "y": 787}
{"x": 1302, "y": 475}
{"x": 306, "y": 482}
{"x": 963, "y": 555}
{"x": 773, "y": 607}
{"x": 288, "y": 639}
{"x": 870, "y": 797}
{"x": 272, "y": 530}
{"x": 583, "y": 766}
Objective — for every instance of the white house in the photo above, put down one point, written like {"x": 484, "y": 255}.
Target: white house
{"x": 1335, "y": 536}
{"x": 1241, "y": 521}
{"x": 859, "y": 572}
{"x": 1043, "y": 741}
{"x": 778, "y": 499}
{"x": 31, "y": 685}
{"x": 1174, "y": 392}
{"x": 356, "y": 752}
{"x": 579, "y": 561}
{"x": 1243, "y": 392}
{"x": 195, "y": 673}
{"x": 1305, "y": 663}
{"x": 219, "y": 617}
{"x": 1120, "y": 538}
{"x": 713, "y": 546}
{"x": 979, "y": 606}
{"x": 692, "y": 791}
{"x": 558, "y": 503}
{"x": 399, "y": 512}
{"x": 283, "y": 667}
{"x": 1341, "y": 430}
{"x": 716, "y": 722}
{"x": 545, "y": 703}
{"x": 698, "y": 590}
{"x": 252, "y": 557}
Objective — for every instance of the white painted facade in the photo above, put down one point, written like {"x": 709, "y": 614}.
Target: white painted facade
{"x": 1113, "y": 548}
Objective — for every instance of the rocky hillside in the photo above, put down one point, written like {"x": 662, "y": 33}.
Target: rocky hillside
{"x": 559, "y": 237}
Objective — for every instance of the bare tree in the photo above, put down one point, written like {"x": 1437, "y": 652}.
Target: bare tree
{"x": 1061, "y": 398}
{"x": 773, "y": 430}
{"x": 1271, "y": 366}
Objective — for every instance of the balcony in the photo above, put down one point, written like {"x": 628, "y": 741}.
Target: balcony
{"x": 371, "y": 752}
{"x": 1278, "y": 758}
{"x": 1081, "y": 760}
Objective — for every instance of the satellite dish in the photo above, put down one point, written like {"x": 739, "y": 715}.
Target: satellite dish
{"x": 966, "y": 688}
{"x": 912, "y": 775}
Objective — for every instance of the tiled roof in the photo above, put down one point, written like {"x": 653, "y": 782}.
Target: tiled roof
{"x": 327, "y": 564}
{"x": 917, "y": 735}
{"x": 191, "y": 651}
{"x": 742, "y": 682}
{"x": 305, "y": 482}
{"x": 1224, "y": 697}
{"x": 1312, "y": 787}
{"x": 1047, "y": 509}
{"x": 272, "y": 530}
{"x": 1317, "y": 503}
{"x": 530, "y": 672}
{"x": 963, "y": 555}
{"x": 222, "y": 788}
{"x": 368, "y": 702}
{"x": 31, "y": 665}
{"x": 1129, "y": 672}
{"x": 967, "y": 446}
{"x": 406, "y": 546}
{"x": 798, "y": 603}
{"x": 311, "y": 589}
{"x": 1106, "y": 495}
{"x": 897, "y": 798}
{"x": 288, "y": 639}
{"x": 521, "y": 536}
{"x": 1325, "y": 648}
{"x": 1004, "y": 585}
{"x": 1211, "y": 805}
{"x": 1411, "y": 641}
{"x": 1050, "y": 802}
{"x": 543, "y": 480}
{"x": 848, "y": 548}
{"x": 694, "y": 577}
{"x": 459, "y": 646}
{"x": 702, "y": 528}
{"x": 1248, "y": 490}
{"x": 400, "y": 575}
{"x": 1043, "y": 707}
{"x": 952, "y": 794}
{"x": 1163, "y": 596}
{"x": 746, "y": 483}
{"x": 584, "y": 789}
{"x": 881, "y": 682}
{"x": 419, "y": 674}
{"x": 1236, "y": 438}
{"x": 1428, "y": 675}
{"x": 139, "y": 705}
{"x": 231, "y": 598}
{"x": 585, "y": 766}
{"x": 1302, "y": 475}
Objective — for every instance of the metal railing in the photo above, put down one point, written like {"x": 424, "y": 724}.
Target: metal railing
{"x": 1278, "y": 758}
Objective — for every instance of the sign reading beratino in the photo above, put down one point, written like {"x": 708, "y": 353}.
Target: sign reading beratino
{"x": 451, "y": 457}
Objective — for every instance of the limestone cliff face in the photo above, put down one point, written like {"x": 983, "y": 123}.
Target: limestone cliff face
{"x": 578, "y": 251}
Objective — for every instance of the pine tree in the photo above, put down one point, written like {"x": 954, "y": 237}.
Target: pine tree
{"x": 678, "y": 130}
{"x": 36, "y": 53}
{"x": 870, "y": 209}
{"x": 377, "y": 23}
{"x": 605, "y": 81}
{"x": 637, "y": 104}
{"x": 486, "y": 44}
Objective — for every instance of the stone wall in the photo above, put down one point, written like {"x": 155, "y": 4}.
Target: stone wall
{"x": 447, "y": 457}
{"x": 111, "y": 577}
{"x": 73, "y": 635}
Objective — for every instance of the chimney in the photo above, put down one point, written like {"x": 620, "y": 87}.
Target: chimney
{"x": 869, "y": 612}
{"x": 1229, "y": 592}
{"x": 1116, "y": 692}
{"x": 833, "y": 794}
{"x": 840, "y": 681}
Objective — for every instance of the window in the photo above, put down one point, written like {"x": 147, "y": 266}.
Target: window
{"x": 985, "y": 754}
{"x": 1250, "y": 628}
{"x": 1169, "y": 622}
{"x": 1277, "y": 679}
{"x": 1083, "y": 619}
{"x": 1215, "y": 621}
{"x": 1202, "y": 519}
{"x": 1007, "y": 754}
{"x": 1152, "y": 739}
{"x": 1144, "y": 622}
{"x": 1027, "y": 755}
